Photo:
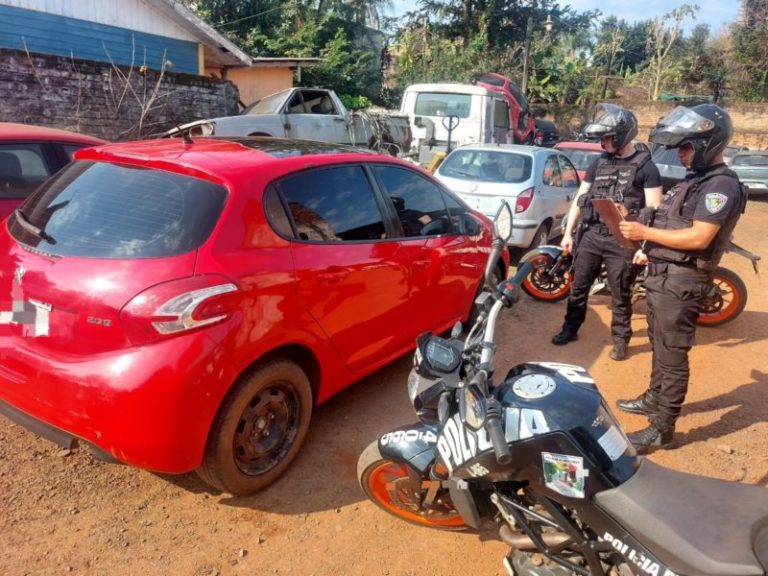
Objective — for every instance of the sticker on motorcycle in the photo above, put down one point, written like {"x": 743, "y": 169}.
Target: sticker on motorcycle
{"x": 613, "y": 442}
{"x": 397, "y": 436}
{"x": 458, "y": 445}
{"x": 564, "y": 474}
{"x": 569, "y": 371}
{"x": 520, "y": 424}
{"x": 643, "y": 561}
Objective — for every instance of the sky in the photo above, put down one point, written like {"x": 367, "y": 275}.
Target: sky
{"x": 716, "y": 13}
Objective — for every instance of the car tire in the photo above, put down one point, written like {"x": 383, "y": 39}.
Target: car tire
{"x": 541, "y": 236}
{"x": 258, "y": 429}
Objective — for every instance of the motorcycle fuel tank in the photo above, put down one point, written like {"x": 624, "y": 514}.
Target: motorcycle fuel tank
{"x": 560, "y": 432}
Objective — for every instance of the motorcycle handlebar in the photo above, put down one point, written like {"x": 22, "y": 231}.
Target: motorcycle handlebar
{"x": 510, "y": 288}
{"x": 497, "y": 438}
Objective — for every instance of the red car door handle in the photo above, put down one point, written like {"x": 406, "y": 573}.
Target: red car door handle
{"x": 421, "y": 263}
{"x": 332, "y": 275}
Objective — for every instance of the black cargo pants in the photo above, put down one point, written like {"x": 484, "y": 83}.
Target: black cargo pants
{"x": 674, "y": 297}
{"x": 596, "y": 246}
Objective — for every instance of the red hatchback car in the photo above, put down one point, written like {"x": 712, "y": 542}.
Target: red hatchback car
{"x": 183, "y": 305}
{"x": 29, "y": 155}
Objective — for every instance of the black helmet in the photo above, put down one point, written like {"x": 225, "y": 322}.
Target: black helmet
{"x": 706, "y": 127}
{"x": 612, "y": 120}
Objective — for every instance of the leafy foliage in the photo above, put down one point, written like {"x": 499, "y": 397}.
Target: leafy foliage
{"x": 579, "y": 61}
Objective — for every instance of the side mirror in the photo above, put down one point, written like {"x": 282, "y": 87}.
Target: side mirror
{"x": 473, "y": 409}
{"x": 468, "y": 226}
{"x": 503, "y": 222}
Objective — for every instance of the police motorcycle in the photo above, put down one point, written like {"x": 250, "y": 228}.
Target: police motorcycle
{"x": 538, "y": 456}
{"x": 552, "y": 275}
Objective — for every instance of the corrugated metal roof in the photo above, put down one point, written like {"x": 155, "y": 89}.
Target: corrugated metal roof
{"x": 219, "y": 52}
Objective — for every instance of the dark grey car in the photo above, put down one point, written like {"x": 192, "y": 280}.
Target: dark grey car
{"x": 752, "y": 168}
{"x": 670, "y": 167}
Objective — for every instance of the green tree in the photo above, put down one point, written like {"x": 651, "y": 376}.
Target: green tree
{"x": 631, "y": 54}
{"x": 664, "y": 31}
{"x": 330, "y": 29}
{"x": 750, "y": 50}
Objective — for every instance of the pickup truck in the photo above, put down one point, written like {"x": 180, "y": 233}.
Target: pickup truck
{"x": 309, "y": 114}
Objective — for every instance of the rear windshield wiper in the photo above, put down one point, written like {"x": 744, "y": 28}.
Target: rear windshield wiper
{"x": 461, "y": 172}
{"x": 31, "y": 228}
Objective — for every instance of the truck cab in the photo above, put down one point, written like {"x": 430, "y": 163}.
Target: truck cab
{"x": 474, "y": 114}
{"x": 522, "y": 121}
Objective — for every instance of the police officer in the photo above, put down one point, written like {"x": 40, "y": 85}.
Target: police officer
{"x": 684, "y": 243}
{"x": 629, "y": 178}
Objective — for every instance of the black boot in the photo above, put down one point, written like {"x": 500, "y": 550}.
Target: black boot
{"x": 658, "y": 435}
{"x": 619, "y": 351}
{"x": 647, "y": 404}
{"x": 567, "y": 334}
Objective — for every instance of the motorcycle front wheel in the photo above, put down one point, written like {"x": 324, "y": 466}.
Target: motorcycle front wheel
{"x": 727, "y": 300}
{"x": 396, "y": 489}
{"x": 546, "y": 285}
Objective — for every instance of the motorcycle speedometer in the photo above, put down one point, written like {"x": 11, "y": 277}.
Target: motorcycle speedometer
{"x": 441, "y": 356}
{"x": 436, "y": 356}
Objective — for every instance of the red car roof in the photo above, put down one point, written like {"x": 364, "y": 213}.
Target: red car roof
{"x": 578, "y": 145}
{"x": 229, "y": 158}
{"x": 15, "y": 131}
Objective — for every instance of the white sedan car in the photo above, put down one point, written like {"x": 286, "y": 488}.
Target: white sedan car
{"x": 538, "y": 183}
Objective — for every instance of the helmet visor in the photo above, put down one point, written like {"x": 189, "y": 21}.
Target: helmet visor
{"x": 679, "y": 125}
{"x": 604, "y": 120}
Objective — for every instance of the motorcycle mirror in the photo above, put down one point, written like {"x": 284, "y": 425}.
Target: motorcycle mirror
{"x": 444, "y": 406}
{"x": 473, "y": 408}
{"x": 503, "y": 221}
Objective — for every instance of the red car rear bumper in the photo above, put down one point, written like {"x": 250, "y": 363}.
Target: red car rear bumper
{"x": 150, "y": 407}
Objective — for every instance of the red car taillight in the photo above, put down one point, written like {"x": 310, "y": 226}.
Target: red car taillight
{"x": 524, "y": 200}
{"x": 179, "y": 306}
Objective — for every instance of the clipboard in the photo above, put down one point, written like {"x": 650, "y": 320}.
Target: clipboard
{"x": 610, "y": 215}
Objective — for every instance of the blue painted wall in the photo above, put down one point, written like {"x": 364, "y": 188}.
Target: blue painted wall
{"x": 52, "y": 34}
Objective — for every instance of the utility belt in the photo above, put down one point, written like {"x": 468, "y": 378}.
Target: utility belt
{"x": 673, "y": 269}
{"x": 597, "y": 228}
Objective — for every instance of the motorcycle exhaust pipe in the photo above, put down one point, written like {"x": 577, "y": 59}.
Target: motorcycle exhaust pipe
{"x": 520, "y": 541}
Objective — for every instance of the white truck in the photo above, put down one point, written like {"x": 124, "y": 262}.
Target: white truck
{"x": 309, "y": 114}
{"x": 476, "y": 114}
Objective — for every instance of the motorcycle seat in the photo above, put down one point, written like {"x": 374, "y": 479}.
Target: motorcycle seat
{"x": 693, "y": 524}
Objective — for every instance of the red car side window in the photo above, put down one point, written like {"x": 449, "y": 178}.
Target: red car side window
{"x": 419, "y": 203}
{"x": 22, "y": 169}
{"x": 332, "y": 205}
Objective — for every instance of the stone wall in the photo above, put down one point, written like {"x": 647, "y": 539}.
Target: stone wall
{"x": 111, "y": 102}
{"x": 750, "y": 120}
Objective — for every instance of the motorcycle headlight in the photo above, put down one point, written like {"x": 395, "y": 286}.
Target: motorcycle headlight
{"x": 425, "y": 394}
{"x": 413, "y": 385}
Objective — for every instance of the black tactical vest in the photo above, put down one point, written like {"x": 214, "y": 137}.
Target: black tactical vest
{"x": 616, "y": 182}
{"x": 669, "y": 217}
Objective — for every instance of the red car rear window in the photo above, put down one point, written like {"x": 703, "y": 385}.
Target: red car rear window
{"x": 101, "y": 210}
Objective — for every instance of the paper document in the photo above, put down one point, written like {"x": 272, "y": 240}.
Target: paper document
{"x": 610, "y": 215}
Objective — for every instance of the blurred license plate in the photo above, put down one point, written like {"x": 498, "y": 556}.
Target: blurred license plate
{"x": 484, "y": 204}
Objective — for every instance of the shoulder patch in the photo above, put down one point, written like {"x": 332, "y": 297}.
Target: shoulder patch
{"x": 715, "y": 202}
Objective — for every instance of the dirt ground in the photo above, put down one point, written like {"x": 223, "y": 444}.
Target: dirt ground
{"x": 64, "y": 513}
